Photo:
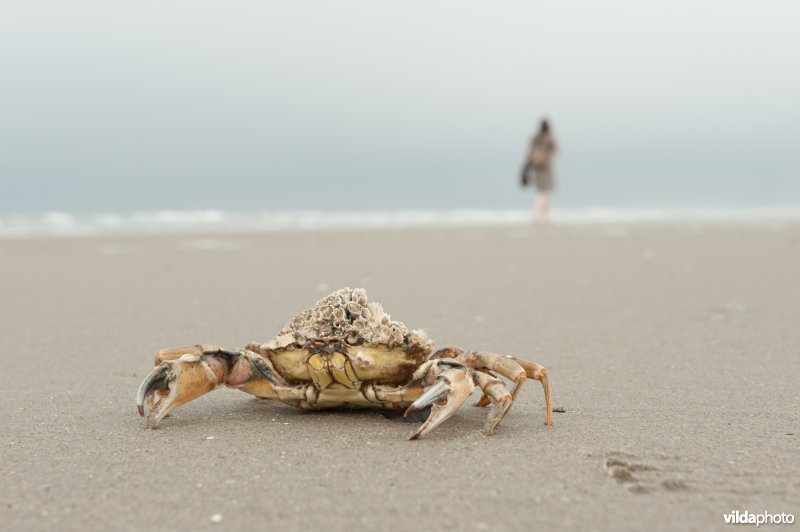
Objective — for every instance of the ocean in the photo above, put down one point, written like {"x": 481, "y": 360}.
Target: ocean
{"x": 56, "y": 223}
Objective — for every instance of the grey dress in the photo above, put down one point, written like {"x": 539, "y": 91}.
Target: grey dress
{"x": 543, "y": 170}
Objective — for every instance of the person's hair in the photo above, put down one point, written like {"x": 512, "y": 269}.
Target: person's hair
{"x": 544, "y": 128}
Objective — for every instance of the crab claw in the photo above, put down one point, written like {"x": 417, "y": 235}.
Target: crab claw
{"x": 175, "y": 382}
{"x": 156, "y": 380}
{"x": 436, "y": 394}
{"x": 452, "y": 388}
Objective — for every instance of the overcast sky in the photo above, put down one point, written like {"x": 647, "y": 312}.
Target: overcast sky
{"x": 142, "y": 105}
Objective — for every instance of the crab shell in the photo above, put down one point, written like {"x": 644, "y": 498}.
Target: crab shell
{"x": 346, "y": 340}
{"x": 346, "y": 365}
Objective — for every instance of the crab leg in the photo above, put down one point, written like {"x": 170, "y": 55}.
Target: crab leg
{"x": 506, "y": 366}
{"x": 404, "y": 395}
{"x": 512, "y": 368}
{"x": 452, "y": 385}
{"x": 497, "y": 393}
{"x": 539, "y": 373}
{"x": 180, "y": 378}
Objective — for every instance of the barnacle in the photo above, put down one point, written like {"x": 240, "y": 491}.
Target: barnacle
{"x": 348, "y": 314}
{"x": 360, "y": 296}
{"x": 418, "y": 338}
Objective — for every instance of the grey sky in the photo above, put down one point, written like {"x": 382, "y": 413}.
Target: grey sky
{"x": 116, "y": 106}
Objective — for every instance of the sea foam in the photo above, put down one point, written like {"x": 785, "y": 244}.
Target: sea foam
{"x": 174, "y": 221}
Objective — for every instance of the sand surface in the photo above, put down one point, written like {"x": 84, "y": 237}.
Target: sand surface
{"x": 674, "y": 353}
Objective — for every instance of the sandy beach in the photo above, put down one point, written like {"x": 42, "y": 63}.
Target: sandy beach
{"x": 673, "y": 352}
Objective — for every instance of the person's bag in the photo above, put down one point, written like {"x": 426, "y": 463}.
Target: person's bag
{"x": 524, "y": 176}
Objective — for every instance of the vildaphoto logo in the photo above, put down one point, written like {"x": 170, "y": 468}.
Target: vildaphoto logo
{"x": 764, "y": 518}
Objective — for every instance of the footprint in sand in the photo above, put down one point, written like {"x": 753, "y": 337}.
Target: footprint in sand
{"x": 642, "y": 476}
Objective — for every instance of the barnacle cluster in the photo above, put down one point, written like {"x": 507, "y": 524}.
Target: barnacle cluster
{"x": 348, "y": 314}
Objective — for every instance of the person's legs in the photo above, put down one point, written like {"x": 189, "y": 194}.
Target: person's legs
{"x": 541, "y": 207}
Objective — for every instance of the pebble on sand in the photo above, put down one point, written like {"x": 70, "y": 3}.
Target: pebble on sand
{"x": 216, "y": 518}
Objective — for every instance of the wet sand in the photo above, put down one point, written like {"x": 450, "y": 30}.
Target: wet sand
{"x": 673, "y": 352}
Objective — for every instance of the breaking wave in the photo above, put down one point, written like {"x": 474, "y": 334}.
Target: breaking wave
{"x": 171, "y": 221}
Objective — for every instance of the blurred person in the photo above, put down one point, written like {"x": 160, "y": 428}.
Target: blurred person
{"x": 540, "y": 163}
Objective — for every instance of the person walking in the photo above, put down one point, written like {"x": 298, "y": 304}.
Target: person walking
{"x": 540, "y": 163}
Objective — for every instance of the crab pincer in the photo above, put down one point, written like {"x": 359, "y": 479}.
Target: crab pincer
{"x": 452, "y": 386}
{"x": 184, "y": 374}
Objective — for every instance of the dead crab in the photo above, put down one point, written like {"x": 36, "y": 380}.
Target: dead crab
{"x": 344, "y": 352}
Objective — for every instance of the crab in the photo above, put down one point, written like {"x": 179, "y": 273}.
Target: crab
{"x": 344, "y": 352}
